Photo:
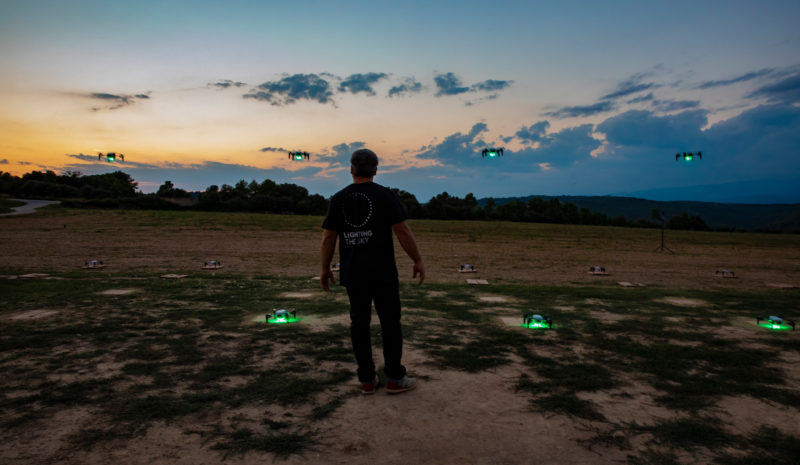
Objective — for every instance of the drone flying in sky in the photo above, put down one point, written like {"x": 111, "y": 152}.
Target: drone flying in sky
{"x": 110, "y": 156}
{"x": 299, "y": 156}
{"x": 492, "y": 153}
{"x": 688, "y": 156}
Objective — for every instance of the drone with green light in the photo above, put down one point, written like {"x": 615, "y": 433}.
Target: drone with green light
{"x": 775, "y": 322}
{"x": 688, "y": 156}
{"x": 110, "y": 156}
{"x": 492, "y": 153}
{"x": 536, "y": 321}
{"x": 299, "y": 156}
{"x": 281, "y": 317}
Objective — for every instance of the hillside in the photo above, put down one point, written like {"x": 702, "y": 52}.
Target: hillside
{"x": 776, "y": 217}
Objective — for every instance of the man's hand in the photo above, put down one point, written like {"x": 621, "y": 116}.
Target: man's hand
{"x": 327, "y": 275}
{"x": 419, "y": 269}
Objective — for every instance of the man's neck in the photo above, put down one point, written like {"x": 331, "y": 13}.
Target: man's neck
{"x": 360, "y": 180}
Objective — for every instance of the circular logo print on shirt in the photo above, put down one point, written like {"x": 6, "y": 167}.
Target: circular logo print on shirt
{"x": 357, "y": 209}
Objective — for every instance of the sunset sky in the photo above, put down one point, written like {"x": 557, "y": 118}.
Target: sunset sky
{"x": 587, "y": 98}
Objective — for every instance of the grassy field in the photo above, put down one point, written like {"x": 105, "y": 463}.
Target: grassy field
{"x": 121, "y": 365}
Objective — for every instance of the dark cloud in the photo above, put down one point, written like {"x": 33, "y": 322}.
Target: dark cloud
{"x": 786, "y": 90}
{"x": 227, "y": 84}
{"x": 456, "y": 147}
{"x": 491, "y": 85}
{"x": 533, "y": 133}
{"x": 675, "y": 105}
{"x": 342, "y": 152}
{"x": 115, "y": 101}
{"x": 630, "y": 86}
{"x": 643, "y": 98}
{"x": 290, "y": 89}
{"x": 582, "y": 110}
{"x": 409, "y": 85}
{"x": 564, "y": 148}
{"x": 4, "y": 161}
{"x": 449, "y": 84}
{"x": 356, "y": 83}
{"x": 643, "y": 128}
{"x": 737, "y": 79}
{"x": 273, "y": 149}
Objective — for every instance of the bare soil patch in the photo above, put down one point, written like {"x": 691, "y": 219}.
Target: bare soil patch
{"x": 32, "y": 314}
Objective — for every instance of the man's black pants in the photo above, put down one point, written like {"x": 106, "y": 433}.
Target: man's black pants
{"x": 387, "y": 305}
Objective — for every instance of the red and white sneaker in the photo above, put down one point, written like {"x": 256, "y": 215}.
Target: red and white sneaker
{"x": 369, "y": 388}
{"x": 396, "y": 386}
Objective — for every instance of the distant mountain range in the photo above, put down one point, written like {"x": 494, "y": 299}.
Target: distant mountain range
{"x": 750, "y": 217}
{"x": 771, "y": 191}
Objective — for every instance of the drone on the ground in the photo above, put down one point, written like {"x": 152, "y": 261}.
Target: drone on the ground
{"x": 92, "y": 264}
{"x": 212, "y": 265}
{"x": 536, "y": 321}
{"x": 299, "y": 156}
{"x": 775, "y": 322}
{"x": 688, "y": 156}
{"x": 281, "y": 316}
{"x": 110, "y": 156}
{"x": 492, "y": 153}
{"x": 601, "y": 270}
{"x": 725, "y": 273}
{"x": 466, "y": 268}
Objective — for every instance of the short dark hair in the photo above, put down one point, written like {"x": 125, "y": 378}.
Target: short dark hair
{"x": 364, "y": 163}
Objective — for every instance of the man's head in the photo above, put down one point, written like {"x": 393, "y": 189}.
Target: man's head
{"x": 364, "y": 163}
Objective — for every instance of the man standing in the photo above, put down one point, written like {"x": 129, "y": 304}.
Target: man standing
{"x": 363, "y": 216}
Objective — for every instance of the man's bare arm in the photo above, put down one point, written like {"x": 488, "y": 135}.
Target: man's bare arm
{"x": 328, "y": 247}
{"x": 409, "y": 244}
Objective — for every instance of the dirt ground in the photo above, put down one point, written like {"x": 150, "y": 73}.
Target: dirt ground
{"x": 546, "y": 255}
{"x": 453, "y": 417}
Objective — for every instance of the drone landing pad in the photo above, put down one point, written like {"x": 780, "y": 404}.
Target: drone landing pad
{"x": 598, "y": 273}
{"x": 477, "y": 281}
{"x": 627, "y": 284}
{"x": 174, "y": 276}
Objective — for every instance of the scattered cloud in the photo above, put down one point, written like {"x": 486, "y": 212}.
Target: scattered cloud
{"x": 115, "y": 101}
{"x": 409, "y": 85}
{"x": 674, "y": 105}
{"x": 273, "y": 149}
{"x": 582, "y": 110}
{"x": 449, "y": 84}
{"x": 491, "y": 85}
{"x": 4, "y": 161}
{"x": 290, "y": 89}
{"x": 642, "y": 128}
{"x": 533, "y": 133}
{"x": 356, "y": 83}
{"x": 630, "y": 86}
{"x": 643, "y": 98}
{"x": 786, "y": 90}
{"x": 737, "y": 79}
{"x": 226, "y": 84}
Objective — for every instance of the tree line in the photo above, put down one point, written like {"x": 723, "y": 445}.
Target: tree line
{"x": 119, "y": 190}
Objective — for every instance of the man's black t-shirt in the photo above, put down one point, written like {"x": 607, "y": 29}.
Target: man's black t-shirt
{"x": 363, "y": 215}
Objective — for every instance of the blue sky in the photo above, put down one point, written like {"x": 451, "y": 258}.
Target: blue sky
{"x": 587, "y": 98}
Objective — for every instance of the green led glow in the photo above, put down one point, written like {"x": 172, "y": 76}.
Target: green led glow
{"x": 298, "y": 157}
{"x": 491, "y": 154}
{"x": 777, "y": 327}
{"x": 282, "y": 320}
